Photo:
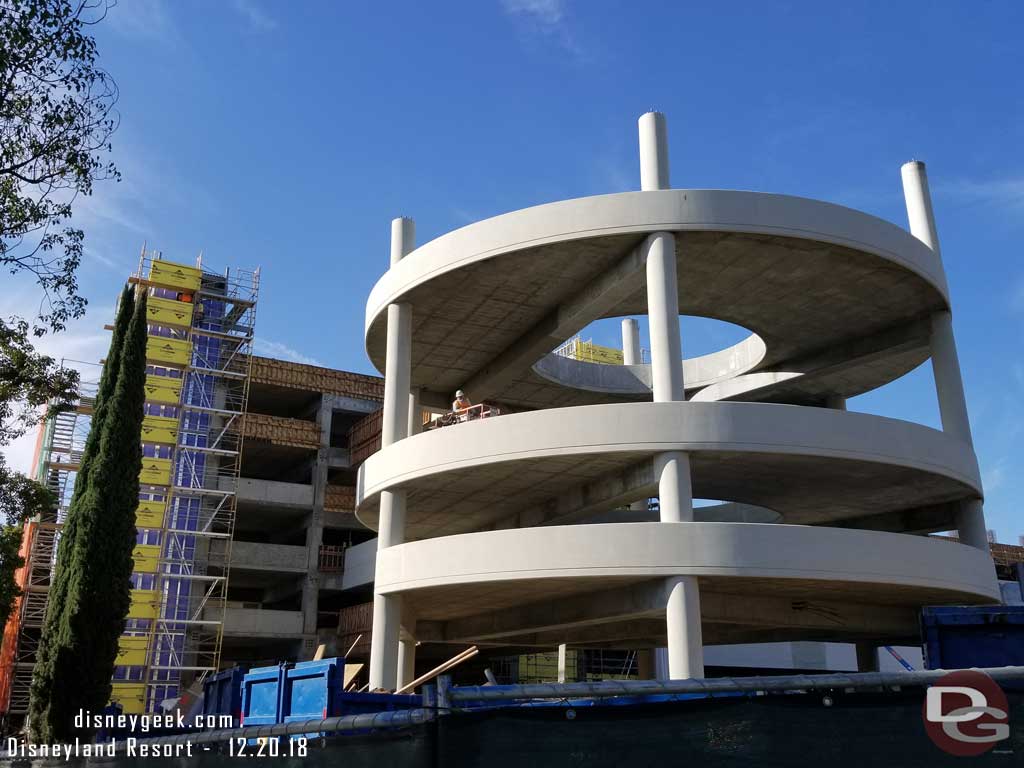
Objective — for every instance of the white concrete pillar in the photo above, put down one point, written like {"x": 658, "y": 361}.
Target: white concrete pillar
{"x": 949, "y": 384}
{"x": 970, "y": 524}
{"x": 631, "y": 342}
{"x": 672, "y": 469}
{"x": 407, "y": 651}
{"x": 663, "y": 318}
{"x": 561, "y": 662}
{"x": 653, "y": 152}
{"x": 387, "y": 609}
{"x": 415, "y": 413}
{"x": 631, "y": 355}
{"x": 387, "y": 619}
{"x": 682, "y": 614}
{"x": 675, "y": 494}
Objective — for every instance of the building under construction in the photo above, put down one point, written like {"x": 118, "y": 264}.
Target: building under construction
{"x": 569, "y": 521}
{"x": 233, "y": 549}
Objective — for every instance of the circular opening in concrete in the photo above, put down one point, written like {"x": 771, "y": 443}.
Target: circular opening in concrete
{"x": 714, "y": 350}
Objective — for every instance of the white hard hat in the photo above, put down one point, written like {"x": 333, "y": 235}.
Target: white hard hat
{"x": 459, "y": 393}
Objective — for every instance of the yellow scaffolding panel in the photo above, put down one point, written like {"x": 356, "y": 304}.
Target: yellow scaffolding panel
{"x": 155, "y": 471}
{"x": 145, "y": 557}
{"x": 131, "y": 697}
{"x": 589, "y": 352}
{"x": 150, "y": 514}
{"x": 168, "y": 312}
{"x": 160, "y": 349}
{"x": 171, "y": 275}
{"x": 159, "y": 429}
{"x": 163, "y": 389}
{"x": 132, "y": 651}
{"x": 144, "y": 604}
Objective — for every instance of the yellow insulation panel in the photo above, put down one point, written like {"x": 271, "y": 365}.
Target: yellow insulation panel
{"x": 155, "y": 471}
{"x": 144, "y": 604}
{"x": 168, "y": 311}
{"x": 145, "y": 557}
{"x": 174, "y": 275}
{"x": 131, "y": 697}
{"x": 149, "y": 514}
{"x": 131, "y": 651}
{"x": 163, "y": 389}
{"x": 159, "y": 429}
{"x": 160, "y": 349}
{"x": 589, "y": 352}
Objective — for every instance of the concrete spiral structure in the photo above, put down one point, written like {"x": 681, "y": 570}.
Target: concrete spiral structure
{"x": 524, "y": 529}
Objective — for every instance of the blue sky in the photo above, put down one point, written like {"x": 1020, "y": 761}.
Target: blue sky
{"x": 289, "y": 135}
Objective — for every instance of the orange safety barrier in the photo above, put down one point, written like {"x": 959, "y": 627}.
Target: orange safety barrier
{"x": 9, "y": 649}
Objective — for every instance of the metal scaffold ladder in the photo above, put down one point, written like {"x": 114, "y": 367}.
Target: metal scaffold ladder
{"x": 199, "y": 353}
{"x": 63, "y": 439}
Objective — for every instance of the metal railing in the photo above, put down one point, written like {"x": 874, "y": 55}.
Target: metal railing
{"x": 610, "y": 688}
{"x": 445, "y": 697}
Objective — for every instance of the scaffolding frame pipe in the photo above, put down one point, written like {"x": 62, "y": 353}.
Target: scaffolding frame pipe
{"x": 609, "y": 688}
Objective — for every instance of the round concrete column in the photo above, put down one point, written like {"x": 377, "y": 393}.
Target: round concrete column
{"x": 672, "y": 469}
{"x": 663, "y": 317}
{"x": 631, "y": 342}
{"x": 407, "y": 653}
{"x": 387, "y": 610}
{"x": 415, "y": 413}
{"x": 631, "y": 355}
{"x": 949, "y": 385}
{"x": 675, "y": 494}
{"x": 682, "y": 614}
{"x": 653, "y": 152}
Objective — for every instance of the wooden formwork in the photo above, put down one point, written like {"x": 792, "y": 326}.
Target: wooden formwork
{"x": 339, "y": 498}
{"x": 282, "y": 431}
{"x": 364, "y": 437}
{"x": 354, "y": 621}
{"x": 312, "y": 378}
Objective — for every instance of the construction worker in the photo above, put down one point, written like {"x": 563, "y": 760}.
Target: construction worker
{"x": 461, "y": 402}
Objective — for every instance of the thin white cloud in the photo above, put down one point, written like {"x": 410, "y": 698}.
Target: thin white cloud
{"x": 268, "y": 348}
{"x": 546, "y": 19}
{"x": 547, "y": 12}
{"x": 1006, "y": 194}
{"x": 255, "y": 17}
{"x": 143, "y": 20}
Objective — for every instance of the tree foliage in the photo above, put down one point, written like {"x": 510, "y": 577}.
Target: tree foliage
{"x": 58, "y": 593}
{"x": 28, "y": 381}
{"x": 86, "y": 615}
{"x": 56, "y": 119}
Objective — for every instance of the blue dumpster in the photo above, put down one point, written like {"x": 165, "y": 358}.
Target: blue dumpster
{"x": 361, "y": 703}
{"x": 312, "y": 689}
{"x": 263, "y": 695}
{"x": 222, "y": 694}
{"x": 957, "y": 637}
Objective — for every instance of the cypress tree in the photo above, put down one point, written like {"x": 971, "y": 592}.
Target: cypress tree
{"x": 43, "y": 679}
{"x": 81, "y": 641}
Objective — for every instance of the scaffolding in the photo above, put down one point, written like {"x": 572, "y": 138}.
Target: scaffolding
{"x": 57, "y": 460}
{"x": 198, "y": 359}
{"x": 585, "y": 350}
